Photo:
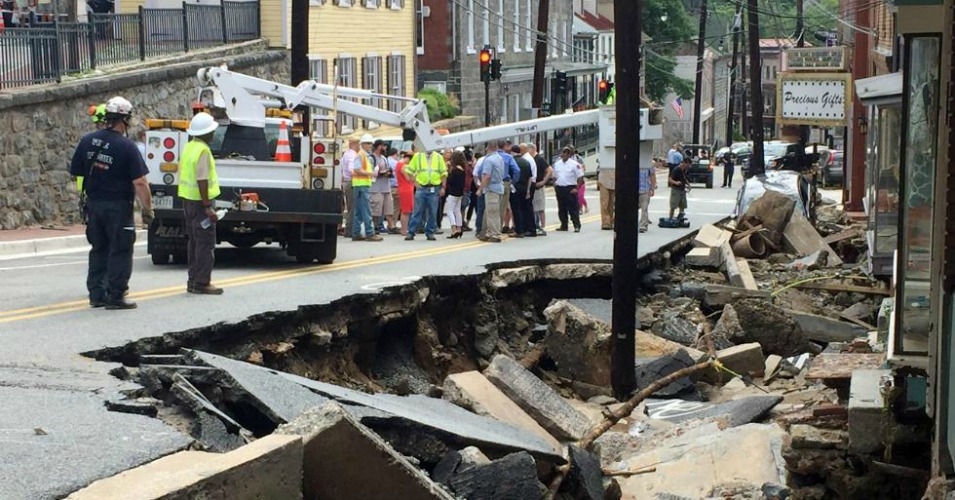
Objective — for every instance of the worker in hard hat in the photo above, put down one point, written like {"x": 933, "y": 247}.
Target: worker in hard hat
{"x": 198, "y": 187}
{"x": 97, "y": 114}
{"x": 114, "y": 174}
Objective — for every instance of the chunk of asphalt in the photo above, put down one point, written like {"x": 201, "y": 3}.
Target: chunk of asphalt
{"x": 535, "y": 397}
{"x": 736, "y": 412}
{"x": 288, "y": 396}
{"x": 513, "y": 477}
{"x": 649, "y": 371}
{"x": 345, "y": 459}
{"x": 585, "y": 479}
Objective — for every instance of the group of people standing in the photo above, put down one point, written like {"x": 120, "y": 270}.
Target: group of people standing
{"x": 503, "y": 186}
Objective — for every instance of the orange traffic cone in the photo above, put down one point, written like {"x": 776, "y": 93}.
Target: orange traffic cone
{"x": 283, "y": 150}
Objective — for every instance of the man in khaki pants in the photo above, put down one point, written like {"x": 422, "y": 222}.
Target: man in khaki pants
{"x": 606, "y": 187}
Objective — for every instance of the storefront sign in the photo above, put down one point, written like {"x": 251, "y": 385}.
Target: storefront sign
{"x": 815, "y": 59}
{"x": 814, "y": 99}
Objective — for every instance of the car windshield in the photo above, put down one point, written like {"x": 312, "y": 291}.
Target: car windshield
{"x": 775, "y": 150}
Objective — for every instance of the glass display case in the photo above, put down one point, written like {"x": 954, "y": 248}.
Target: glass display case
{"x": 914, "y": 297}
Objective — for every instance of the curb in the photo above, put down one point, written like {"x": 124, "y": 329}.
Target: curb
{"x": 50, "y": 246}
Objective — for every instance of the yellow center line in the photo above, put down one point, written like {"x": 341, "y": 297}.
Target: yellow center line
{"x": 157, "y": 293}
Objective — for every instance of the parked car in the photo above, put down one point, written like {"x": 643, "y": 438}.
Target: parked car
{"x": 831, "y": 165}
{"x": 701, "y": 169}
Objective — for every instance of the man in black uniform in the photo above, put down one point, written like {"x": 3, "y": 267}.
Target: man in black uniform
{"x": 522, "y": 199}
{"x": 114, "y": 173}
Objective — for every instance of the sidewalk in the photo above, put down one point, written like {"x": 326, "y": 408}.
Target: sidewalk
{"x": 35, "y": 241}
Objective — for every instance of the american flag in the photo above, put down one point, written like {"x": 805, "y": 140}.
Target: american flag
{"x": 678, "y": 107}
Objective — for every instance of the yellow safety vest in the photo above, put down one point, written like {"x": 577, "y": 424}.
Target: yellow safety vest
{"x": 357, "y": 181}
{"x": 79, "y": 183}
{"x": 188, "y": 186}
{"x": 428, "y": 173}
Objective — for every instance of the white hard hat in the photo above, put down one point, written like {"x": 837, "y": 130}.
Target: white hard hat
{"x": 202, "y": 124}
{"x": 119, "y": 106}
{"x": 367, "y": 138}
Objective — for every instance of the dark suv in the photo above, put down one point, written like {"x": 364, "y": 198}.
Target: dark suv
{"x": 701, "y": 167}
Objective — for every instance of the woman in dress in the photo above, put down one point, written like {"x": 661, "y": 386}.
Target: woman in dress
{"x": 405, "y": 191}
{"x": 454, "y": 188}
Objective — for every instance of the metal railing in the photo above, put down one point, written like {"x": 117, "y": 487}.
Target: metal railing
{"x": 46, "y": 52}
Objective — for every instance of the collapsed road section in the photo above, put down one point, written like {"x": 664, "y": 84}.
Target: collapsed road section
{"x": 758, "y": 377}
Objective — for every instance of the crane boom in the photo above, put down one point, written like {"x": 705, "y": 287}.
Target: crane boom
{"x": 243, "y": 99}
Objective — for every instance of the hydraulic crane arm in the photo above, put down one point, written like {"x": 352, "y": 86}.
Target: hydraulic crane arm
{"x": 244, "y": 102}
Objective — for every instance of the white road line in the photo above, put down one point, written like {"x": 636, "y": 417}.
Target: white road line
{"x": 58, "y": 264}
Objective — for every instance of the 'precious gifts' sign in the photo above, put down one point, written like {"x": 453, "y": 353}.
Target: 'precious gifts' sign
{"x": 814, "y": 99}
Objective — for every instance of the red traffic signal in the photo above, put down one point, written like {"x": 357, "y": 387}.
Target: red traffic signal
{"x": 484, "y": 57}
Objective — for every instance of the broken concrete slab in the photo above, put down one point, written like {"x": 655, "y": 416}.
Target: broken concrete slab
{"x": 802, "y": 238}
{"x": 585, "y": 479}
{"x": 727, "y": 327}
{"x": 823, "y": 329}
{"x": 537, "y": 398}
{"x": 473, "y": 391}
{"x": 413, "y": 416}
{"x": 746, "y": 275}
{"x": 743, "y": 359}
{"x": 736, "y": 412}
{"x": 513, "y": 477}
{"x": 810, "y": 437}
{"x": 731, "y": 267}
{"x": 578, "y": 343}
{"x": 270, "y": 467}
{"x": 341, "y": 455}
{"x": 679, "y": 330}
{"x": 649, "y": 371}
{"x": 704, "y": 257}
{"x": 710, "y": 236}
{"x": 866, "y": 410}
{"x": 714, "y": 296}
{"x": 771, "y": 367}
{"x": 770, "y": 326}
{"x": 705, "y": 464}
{"x": 458, "y": 461}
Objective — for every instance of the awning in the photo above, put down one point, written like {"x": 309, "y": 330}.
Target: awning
{"x": 880, "y": 89}
{"x": 526, "y": 73}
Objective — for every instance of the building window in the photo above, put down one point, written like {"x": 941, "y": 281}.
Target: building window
{"x": 396, "y": 81}
{"x": 395, "y": 4}
{"x": 371, "y": 78}
{"x": 486, "y": 15}
{"x": 500, "y": 26}
{"x": 551, "y": 38}
{"x": 517, "y": 26}
{"x": 318, "y": 70}
{"x": 342, "y": 3}
{"x": 371, "y": 4}
{"x": 345, "y": 75}
{"x": 469, "y": 20}
{"x": 529, "y": 27}
{"x": 419, "y": 26}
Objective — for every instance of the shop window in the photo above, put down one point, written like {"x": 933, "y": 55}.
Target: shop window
{"x": 915, "y": 295}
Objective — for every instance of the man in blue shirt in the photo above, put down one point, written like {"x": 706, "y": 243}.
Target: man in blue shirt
{"x": 493, "y": 189}
{"x": 674, "y": 157}
{"x": 511, "y": 171}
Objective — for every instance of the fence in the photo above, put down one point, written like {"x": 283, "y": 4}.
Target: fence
{"x": 45, "y": 52}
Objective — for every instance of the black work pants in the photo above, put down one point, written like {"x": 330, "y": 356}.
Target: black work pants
{"x": 202, "y": 244}
{"x": 728, "y": 171}
{"x": 111, "y": 232}
{"x": 567, "y": 204}
{"x": 522, "y": 209}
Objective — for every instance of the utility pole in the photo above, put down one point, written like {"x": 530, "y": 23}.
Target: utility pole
{"x": 627, "y": 28}
{"x": 540, "y": 56}
{"x": 299, "y": 54}
{"x": 800, "y": 42}
{"x": 700, "y": 51}
{"x": 743, "y": 116}
{"x": 737, "y": 27}
{"x": 756, "y": 164}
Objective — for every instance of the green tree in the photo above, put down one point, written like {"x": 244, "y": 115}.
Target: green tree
{"x": 666, "y": 24}
{"x": 440, "y": 106}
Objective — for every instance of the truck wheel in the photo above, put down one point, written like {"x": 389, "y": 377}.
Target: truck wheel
{"x": 304, "y": 258}
{"x": 180, "y": 259}
{"x": 159, "y": 259}
{"x": 709, "y": 182}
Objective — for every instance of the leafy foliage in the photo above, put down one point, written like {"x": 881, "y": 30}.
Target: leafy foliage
{"x": 665, "y": 21}
{"x": 439, "y": 104}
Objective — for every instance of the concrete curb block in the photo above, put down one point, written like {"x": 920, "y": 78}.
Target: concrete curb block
{"x": 50, "y": 246}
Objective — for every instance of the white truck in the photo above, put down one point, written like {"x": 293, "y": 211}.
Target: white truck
{"x": 297, "y": 204}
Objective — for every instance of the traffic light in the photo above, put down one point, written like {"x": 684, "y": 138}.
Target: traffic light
{"x": 485, "y": 58}
{"x": 561, "y": 78}
{"x": 604, "y": 88}
{"x": 495, "y": 69}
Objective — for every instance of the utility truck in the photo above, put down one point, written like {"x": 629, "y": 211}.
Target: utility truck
{"x": 298, "y": 203}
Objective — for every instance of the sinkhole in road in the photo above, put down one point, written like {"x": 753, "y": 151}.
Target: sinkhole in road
{"x": 401, "y": 340}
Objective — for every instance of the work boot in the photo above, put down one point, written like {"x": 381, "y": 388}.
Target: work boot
{"x": 410, "y": 237}
{"x": 97, "y": 303}
{"x": 120, "y": 303}
{"x": 373, "y": 237}
{"x": 206, "y": 290}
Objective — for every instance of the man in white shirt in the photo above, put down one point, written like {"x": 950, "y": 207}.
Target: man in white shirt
{"x": 569, "y": 175}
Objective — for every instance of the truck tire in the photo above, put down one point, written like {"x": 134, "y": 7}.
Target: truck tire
{"x": 180, "y": 259}
{"x": 159, "y": 259}
{"x": 709, "y": 182}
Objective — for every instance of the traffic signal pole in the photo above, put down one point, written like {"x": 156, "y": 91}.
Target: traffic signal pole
{"x": 484, "y": 58}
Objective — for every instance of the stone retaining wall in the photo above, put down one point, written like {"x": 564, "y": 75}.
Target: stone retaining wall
{"x": 41, "y": 125}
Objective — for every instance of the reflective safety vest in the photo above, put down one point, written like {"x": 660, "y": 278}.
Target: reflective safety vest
{"x": 362, "y": 181}
{"x": 425, "y": 172}
{"x": 188, "y": 186}
{"x": 79, "y": 183}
